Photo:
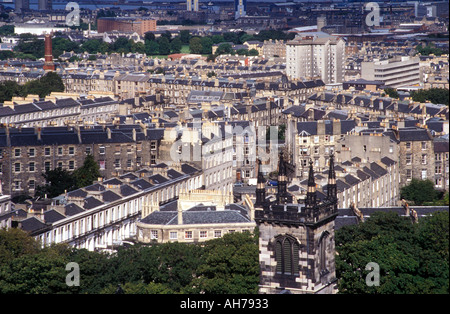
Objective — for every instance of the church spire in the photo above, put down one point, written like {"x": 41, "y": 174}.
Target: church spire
{"x": 311, "y": 196}
{"x": 331, "y": 188}
{"x": 260, "y": 187}
{"x": 282, "y": 180}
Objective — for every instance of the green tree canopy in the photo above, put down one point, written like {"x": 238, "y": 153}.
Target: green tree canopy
{"x": 419, "y": 191}
{"x": 434, "y": 95}
{"x": 151, "y": 47}
{"x": 195, "y": 45}
{"x": 412, "y": 258}
{"x": 9, "y": 89}
{"x": 57, "y": 182}
{"x": 175, "y": 45}
{"x": 207, "y": 44}
{"x": 87, "y": 173}
{"x": 164, "y": 45}
{"x": 50, "y": 82}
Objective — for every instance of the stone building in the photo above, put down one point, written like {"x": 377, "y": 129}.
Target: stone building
{"x": 6, "y": 207}
{"x": 367, "y": 145}
{"x": 315, "y": 140}
{"x": 26, "y": 153}
{"x": 58, "y": 109}
{"x": 441, "y": 163}
{"x": 274, "y": 48}
{"x": 416, "y": 154}
{"x": 205, "y": 146}
{"x": 103, "y": 215}
{"x": 197, "y": 216}
{"x": 296, "y": 241}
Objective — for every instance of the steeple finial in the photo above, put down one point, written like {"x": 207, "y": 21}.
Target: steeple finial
{"x": 311, "y": 196}
{"x": 260, "y": 187}
{"x": 331, "y": 188}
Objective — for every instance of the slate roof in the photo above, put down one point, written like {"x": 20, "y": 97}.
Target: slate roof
{"x": 441, "y": 146}
{"x": 72, "y": 209}
{"x": 141, "y": 184}
{"x": 414, "y": 134}
{"x": 91, "y": 202}
{"x": 32, "y": 224}
{"x": 196, "y": 217}
{"x": 109, "y": 196}
{"x": 51, "y": 216}
{"x": 65, "y": 136}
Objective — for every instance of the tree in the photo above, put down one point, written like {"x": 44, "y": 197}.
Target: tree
{"x": 60, "y": 44}
{"x": 391, "y": 92}
{"x": 434, "y": 95}
{"x": 57, "y": 182}
{"x": 92, "y": 45}
{"x": 195, "y": 45}
{"x": 29, "y": 44}
{"x": 122, "y": 45}
{"x": 7, "y": 30}
{"x": 15, "y": 243}
{"x": 168, "y": 35}
{"x": 6, "y": 54}
{"x": 138, "y": 47}
{"x": 87, "y": 173}
{"x": 412, "y": 258}
{"x": 230, "y": 265}
{"x": 185, "y": 36}
{"x": 419, "y": 191}
{"x": 175, "y": 45}
{"x": 164, "y": 45}
{"x": 224, "y": 49}
{"x": 151, "y": 47}
{"x": 149, "y": 36}
{"x": 207, "y": 44}
{"x": 9, "y": 89}
{"x": 50, "y": 82}
{"x": 253, "y": 52}
{"x": 217, "y": 39}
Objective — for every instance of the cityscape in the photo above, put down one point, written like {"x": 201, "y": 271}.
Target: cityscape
{"x": 224, "y": 147}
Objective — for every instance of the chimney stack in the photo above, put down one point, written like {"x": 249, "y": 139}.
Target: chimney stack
{"x": 180, "y": 216}
{"x": 48, "y": 65}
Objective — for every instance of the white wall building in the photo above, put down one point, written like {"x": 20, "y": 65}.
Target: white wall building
{"x": 103, "y": 215}
{"x": 314, "y": 55}
{"x": 395, "y": 72}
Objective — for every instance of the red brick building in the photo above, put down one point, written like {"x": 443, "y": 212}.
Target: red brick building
{"x": 125, "y": 24}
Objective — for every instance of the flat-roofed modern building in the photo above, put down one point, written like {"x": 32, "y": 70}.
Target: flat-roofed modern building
{"x": 395, "y": 72}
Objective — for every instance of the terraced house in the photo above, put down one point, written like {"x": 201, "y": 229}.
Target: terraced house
{"x": 25, "y": 153}
{"x": 58, "y": 109}
{"x": 104, "y": 215}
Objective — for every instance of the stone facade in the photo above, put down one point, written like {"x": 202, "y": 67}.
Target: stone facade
{"x": 310, "y": 278}
{"x": 297, "y": 251}
{"x": 416, "y": 152}
{"x": 26, "y": 153}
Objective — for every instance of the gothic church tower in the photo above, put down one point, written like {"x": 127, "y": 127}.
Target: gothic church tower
{"x": 296, "y": 242}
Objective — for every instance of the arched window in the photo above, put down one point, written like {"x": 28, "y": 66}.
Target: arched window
{"x": 323, "y": 253}
{"x": 286, "y": 256}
